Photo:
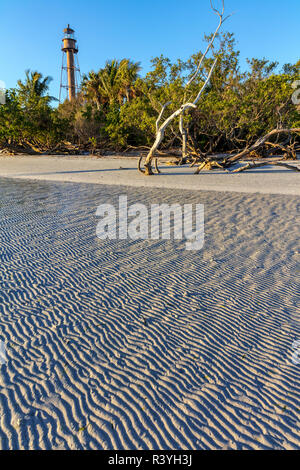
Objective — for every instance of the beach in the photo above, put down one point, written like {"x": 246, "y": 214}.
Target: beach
{"x": 123, "y": 171}
{"x": 141, "y": 344}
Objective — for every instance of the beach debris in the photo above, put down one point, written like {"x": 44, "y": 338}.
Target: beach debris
{"x": 229, "y": 163}
{"x": 83, "y": 428}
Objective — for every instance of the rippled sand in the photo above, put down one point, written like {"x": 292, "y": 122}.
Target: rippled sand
{"x": 142, "y": 344}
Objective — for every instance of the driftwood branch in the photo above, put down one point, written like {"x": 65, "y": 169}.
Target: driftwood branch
{"x": 160, "y": 135}
{"x": 163, "y": 107}
{"x": 206, "y": 82}
{"x": 220, "y": 14}
{"x": 227, "y": 162}
{"x": 250, "y": 166}
{"x": 160, "y": 129}
{"x": 260, "y": 142}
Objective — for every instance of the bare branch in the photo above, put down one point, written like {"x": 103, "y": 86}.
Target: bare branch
{"x": 163, "y": 107}
{"x": 206, "y": 82}
{"x": 261, "y": 141}
{"x": 176, "y": 113}
{"x": 222, "y": 20}
{"x": 181, "y": 124}
{"x": 217, "y": 11}
{"x": 160, "y": 129}
{"x": 250, "y": 166}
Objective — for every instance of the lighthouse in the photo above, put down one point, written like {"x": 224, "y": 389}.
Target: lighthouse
{"x": 70, "y": 72}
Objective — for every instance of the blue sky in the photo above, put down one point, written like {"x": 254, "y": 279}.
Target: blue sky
{"x": 31, "y": 32}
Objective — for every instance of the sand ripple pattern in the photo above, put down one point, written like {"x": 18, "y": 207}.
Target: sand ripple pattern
{"x": 142, "y": 344}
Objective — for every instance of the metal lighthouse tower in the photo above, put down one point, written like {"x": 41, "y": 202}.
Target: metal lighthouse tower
{"x": 70, "y": 71}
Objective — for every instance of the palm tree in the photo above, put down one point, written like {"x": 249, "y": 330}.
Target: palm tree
{"x": 112, "y": 84}
{"x": 34, "y": 89}
{"x": 128, "y": 73}
{"x": 91, "y": 86}
{"x": 109, "y": 81}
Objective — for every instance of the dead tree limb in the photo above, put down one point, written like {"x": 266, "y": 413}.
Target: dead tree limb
{"x": 160, "y": 135}
{"x": 183, "y": 132}
{"x": 259, "y": 143}
{"x": 211, "y": 163}
{"x": 250, "y": 166}
{"x": 163, "y": 107}
{"x": 186, "y": 106}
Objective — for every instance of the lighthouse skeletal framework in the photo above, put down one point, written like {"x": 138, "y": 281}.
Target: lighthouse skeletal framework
{"x": 70, "y": 71}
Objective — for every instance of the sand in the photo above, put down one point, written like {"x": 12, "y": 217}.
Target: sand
{"x": 122, "y": 171}
{"x": 123, "y": 344}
